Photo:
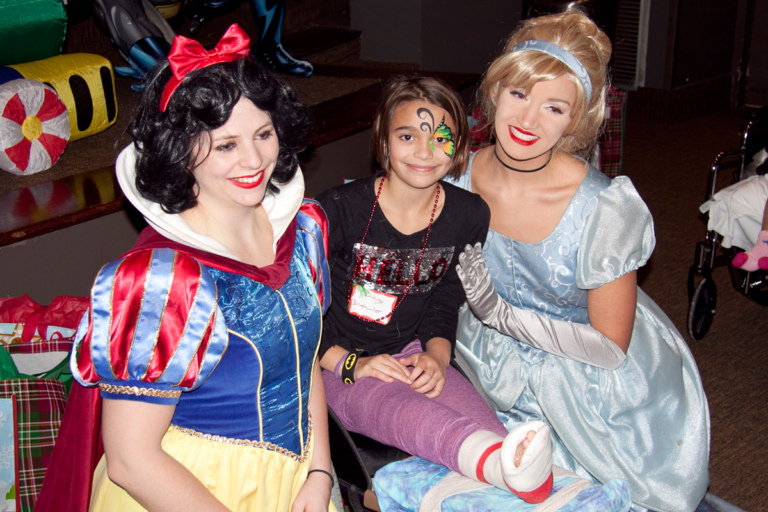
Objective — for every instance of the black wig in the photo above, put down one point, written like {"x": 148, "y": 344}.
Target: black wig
{"x": 203, "y": 102}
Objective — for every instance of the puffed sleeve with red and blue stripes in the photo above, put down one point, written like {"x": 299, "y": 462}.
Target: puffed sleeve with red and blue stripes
{"x": 313, "y": 226}
{"x": 154, "y": 328}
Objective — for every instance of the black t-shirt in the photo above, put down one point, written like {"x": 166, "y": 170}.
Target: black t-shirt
{"x": 386, "y": 264}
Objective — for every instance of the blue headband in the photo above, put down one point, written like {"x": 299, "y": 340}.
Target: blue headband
{"x": 563, "y": 56}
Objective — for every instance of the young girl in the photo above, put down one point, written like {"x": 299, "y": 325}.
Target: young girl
{"x": 574, "y": 342}
{"x": 389, "y": 334}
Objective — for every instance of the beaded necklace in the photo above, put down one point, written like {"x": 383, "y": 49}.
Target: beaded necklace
{"x": 418, "y": 261}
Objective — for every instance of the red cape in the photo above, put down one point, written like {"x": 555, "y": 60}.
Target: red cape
{"x": 78, "y": 449}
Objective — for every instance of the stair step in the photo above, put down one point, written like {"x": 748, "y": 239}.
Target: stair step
{"x": 301, "y": 14}
{"x": 325, "y": 45}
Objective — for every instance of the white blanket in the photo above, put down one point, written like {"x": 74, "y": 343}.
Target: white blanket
{"x": 736, "y": 212}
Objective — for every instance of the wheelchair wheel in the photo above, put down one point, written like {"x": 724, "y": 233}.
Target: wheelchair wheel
{"x": 701, "y": 310}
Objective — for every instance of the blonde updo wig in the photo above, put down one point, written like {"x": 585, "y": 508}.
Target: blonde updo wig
{"x": 574, "y": 32}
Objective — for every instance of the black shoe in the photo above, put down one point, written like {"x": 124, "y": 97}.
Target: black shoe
{"x": 277, "y": 58}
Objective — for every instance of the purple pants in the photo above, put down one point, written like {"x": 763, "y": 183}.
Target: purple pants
{"x": 396, "y": 415}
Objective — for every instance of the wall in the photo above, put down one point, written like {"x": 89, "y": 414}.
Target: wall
{"x": 704, "y": 42}
{"x": 66, "y": 261}
{"x": 689, "y": 42}
{"x": 756, "y": 76}
{"x": 661, "y": 35}
{"x": 689, "y": 60}
{"x": 447, "y": 35}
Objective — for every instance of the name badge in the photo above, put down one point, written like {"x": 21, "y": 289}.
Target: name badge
{"x": 371, "y": 305}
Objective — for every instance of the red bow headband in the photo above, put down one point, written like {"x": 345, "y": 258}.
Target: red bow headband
{"x": 187, "y": 55}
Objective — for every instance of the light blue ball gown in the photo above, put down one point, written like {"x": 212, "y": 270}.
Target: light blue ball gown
{"x": 646, "y": 422}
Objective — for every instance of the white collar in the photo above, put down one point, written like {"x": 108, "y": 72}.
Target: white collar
{"x": 172, "y": 226}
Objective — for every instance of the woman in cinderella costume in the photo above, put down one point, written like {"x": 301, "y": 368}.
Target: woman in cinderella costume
{"x": 556, "y": 328}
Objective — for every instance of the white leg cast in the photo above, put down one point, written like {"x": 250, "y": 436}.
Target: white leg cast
{"x": 532, "y": 479}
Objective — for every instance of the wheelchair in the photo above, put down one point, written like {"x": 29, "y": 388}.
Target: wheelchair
{"x": 702, "y": 291}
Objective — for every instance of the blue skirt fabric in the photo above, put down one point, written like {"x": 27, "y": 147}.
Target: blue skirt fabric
{"x": 398, "y": 494}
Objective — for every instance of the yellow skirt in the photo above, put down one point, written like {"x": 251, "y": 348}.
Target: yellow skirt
{"x": 244, "y": 478}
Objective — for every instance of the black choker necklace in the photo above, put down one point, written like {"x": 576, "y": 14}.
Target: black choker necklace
{"x": 551, "y": 152}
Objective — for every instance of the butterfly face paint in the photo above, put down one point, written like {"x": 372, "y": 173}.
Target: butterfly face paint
{"x": 443, "y": 131}
{"x": 442, "y": 134}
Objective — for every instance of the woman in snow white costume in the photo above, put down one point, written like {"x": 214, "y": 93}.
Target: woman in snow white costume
{"x": 203, "y": 338}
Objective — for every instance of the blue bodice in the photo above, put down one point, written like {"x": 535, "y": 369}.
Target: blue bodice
{"x": 542, "y": 275}
{"x": 273, "y": 340}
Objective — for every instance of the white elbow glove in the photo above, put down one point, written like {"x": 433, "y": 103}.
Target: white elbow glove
{"x": 573, "y": 340}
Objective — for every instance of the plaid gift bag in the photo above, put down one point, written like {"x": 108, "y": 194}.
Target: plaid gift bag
{"x": 39, "y": 408}
{"x": 39, "y": 337}
{"x": 611, "y": 142}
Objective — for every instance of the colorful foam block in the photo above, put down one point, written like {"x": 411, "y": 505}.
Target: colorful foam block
{"x": 85, "y": 83}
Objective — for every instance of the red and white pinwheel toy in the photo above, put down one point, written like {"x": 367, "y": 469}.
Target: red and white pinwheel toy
{"x": 34, "y": 127}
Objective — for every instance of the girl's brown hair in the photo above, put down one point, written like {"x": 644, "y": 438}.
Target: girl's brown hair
{"x": 400, "y": 90}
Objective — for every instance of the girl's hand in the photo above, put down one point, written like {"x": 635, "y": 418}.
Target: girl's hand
{"x": 314, "y": 495}
{"x": 428, "y": 374}
{"x": 383, "y": 367}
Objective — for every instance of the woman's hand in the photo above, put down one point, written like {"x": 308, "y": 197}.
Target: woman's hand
{"x": 429, "y": 368}
{"x": 314, "y": 495}
{"x": 383, "y": 367}
{"x": 604, "y": 343}
{"x": 476, "y": 280}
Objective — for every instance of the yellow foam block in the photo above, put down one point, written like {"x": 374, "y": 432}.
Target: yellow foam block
{"x": 85, "y": 82}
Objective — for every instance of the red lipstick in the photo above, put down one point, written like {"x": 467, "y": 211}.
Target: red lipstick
{"x": 522, "y": 137}
{"x": 248, "y": 182}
